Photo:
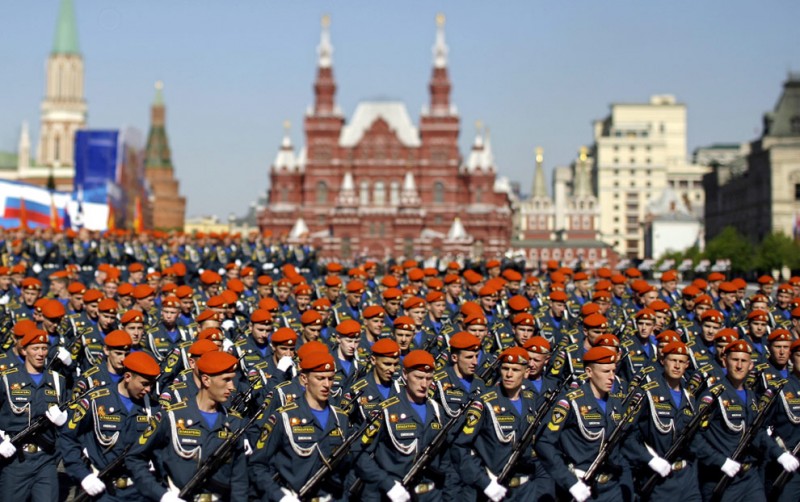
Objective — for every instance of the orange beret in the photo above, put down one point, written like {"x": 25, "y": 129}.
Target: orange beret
{"x": 607, "y": 340}
{"x": 477, "y": 319}
{"x": 373, "y": 311}
{"x": 780, "y": 335}
{"x": 108, "y": 305}
{"x": 633, "y": 272}
{"x": 712, "y": 315}
{"x": 434, "y": 296}
{"x": 419, "y": 360}
{"x": 518, "y": 303}
{"x": 261, "y": 316}
{"x": 603, "y": 285}
{"x": 413, "y": 303}
{"x": 169, "y": 287}
{"x": 210, "y": 334}
{"x": 386, "y": 347}
{"x": 640, "y": 286}
{"x": 558, "y": 296}
{"x": 311, "y": 347}
{"x": 390, "y": 281}
{"x": 391, "y": 293}
{"x": 333, "y": 281}
{"x": 92, "y": 295}
{"x": 492, "y": 263}
{"x": 728, "y": 287}
{"x": 284, "y": 336}
{"x": 229, "y": 296}
{"x": 405, "y": 323}
{"x": 590, "y": 308}
{"x": 416, "y": 274}
{"x": 130, "y": 316}
{"x": 515, "y": 355}
{"x": 76, "y": 288}
{"x": 264, "y": 280}
{"x": 321, "y": 305}
{"x": 30, "y": 283}
{"x": 334, "y": 267}
{"x": 216, "y": 362}
{"x": 703, "y": 299}
{"x": 677, "y": 347}
{"x": 715, "y": 276}
{"x": 600, "y": 355}
{"x": 659, "y": 306}
{"x": 464, "y": 341}
{"x": 355, "y": 287}
{"x": 451, "y": 279}
{"x": 135, "y": 267}
{"x": 302, "y": 290}
{"x": 795, "y": 346}
{"x": 23, "y": 326}
{"x": 766, "y": 279}
{"x": 236, "y": 286}
{"x": 200, "y": 347}
{"x": 538, "y": 344}
{"x": 34, "y": 336}
{"x": 140, "y": 292}
{"x": 523, "y": 319}
{"x": 758, "y": 315}
{"x": 668, "y": 336}
{"x": 184, "y": 291}
{"x": 596, "y": 321}
{"x": 349, "y": 328}
{"x": 206, "y": 315}
{"x": 217, "y": 301}
{"x": 310, "y": 317}
{"x": 726, "y": 335}
{"x": 54, "y": 309}
{"x": 645, "y": 313}
{"x": 487, "y": 290}
{"x": 118, "y": 339}
{"x": 268, "y": 303}
{"x": 738, "y": 346}
{"x": 669, "y": 275}
{"x": 511, "y": 275}
{"x": 125, "y": 289}
{"x": 317, "y": 361}
{"x": 142, "y": 363}
{"x": 209, "y": 277}
{"x": 38, "y": 304}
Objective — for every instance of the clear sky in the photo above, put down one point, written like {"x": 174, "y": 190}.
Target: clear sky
{"x": 535, "y": 72}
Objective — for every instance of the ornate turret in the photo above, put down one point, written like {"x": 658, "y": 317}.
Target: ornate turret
{"x": 539, "y": 188}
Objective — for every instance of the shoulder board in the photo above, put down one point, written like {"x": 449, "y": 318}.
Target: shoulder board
{"x": 489, "y": 396}
{"x": 91, "y": 371}
{"x": 176, "y": 406}
{"x": 339, "y": 410}
{"x": 685, "y": 322}
{"x": 9, "y": 371}
{"x": 287, "y": 407}
{"x": 240, "y": 342}
{"x": 527, "y": 394}
{"x": 647, "y": 369}
{"x": 762, "y": 366}
{"x": 389, "y": 402}
{"x": 101, "y": 392}
{"x": 575, "y": 394}
{"x": 627, "y": 343}
{"x": 440, "y": 375}
{"x": 283, "y": 384}
{"x": 234, "y": 413}
{"x": 573, "y": 331}
{"x": 359, "y": 384}
{"x": 571, "y": 348}
{"x": 177, "y": 386}
{"x": 152, "y": 329}
{"x": 650, "y": 385}
{"x": 186, "y": 344}
{"x": 706, "y": 368}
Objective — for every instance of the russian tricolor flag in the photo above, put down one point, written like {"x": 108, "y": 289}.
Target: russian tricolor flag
{"x": 23, "y": 205}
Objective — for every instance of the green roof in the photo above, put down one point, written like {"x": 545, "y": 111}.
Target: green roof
{"x": 66, "y": 41}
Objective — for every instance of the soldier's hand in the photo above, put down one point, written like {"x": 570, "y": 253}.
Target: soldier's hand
{"x": 7, "y": 449}
{"x": 288, "y": 496}
{"x": 64, "y": 356}
{"x": 730, "y": 467}
{"x": 660, "y": 466}
{"x": 56, "y": 415}
{"x": 495, "y": 491}
{"x": 92, "y": 485}
{"x": 580, "y": 491}
{"x": 171, "y": 496}
{"x": 398, "y": 493}
{"x": 788, "y": 462}
{"x": 284, "y": 363}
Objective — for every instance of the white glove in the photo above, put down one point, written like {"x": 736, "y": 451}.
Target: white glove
{"x": 37, "y": 268}
{"x": 285, "y": 362}
{"x": 7, "y": 449}
{"x": 4, "y": 300}
{"x": 288, "y": 496}
{"x": 660, "y": 465}
{"x": 221, "y": 271}
{"x": 171, "y": 496}
{"x": 92, "y": 485}
{"x": 226, "y": 345}
{"x": 730, "y": 467}
{"x": 56, "y": 415}
{"x": 64, "y": 356}
{"x": 398, "y": 493}
{"x": 788, "y": 461}
{"x": 248, "y": 450}
{"x": 580, "y": 491}
{"x": 495, "y": 491}
{"x": 228, "y": 325}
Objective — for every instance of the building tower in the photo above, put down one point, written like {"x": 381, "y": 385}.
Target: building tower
{"x": 169, "y": 207}
{"x": 64, "y": 106}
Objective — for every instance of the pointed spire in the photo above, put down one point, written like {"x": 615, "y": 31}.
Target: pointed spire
{"x": 409, "y": 195}
{"x": 488, "y": 155}
{"x": 440, "y": 47}
{"x": 478, "y": 144}
{"x": 24, "y": 149}
{"x": 158, "y": 100}
{"x": 285, "y": 158}
{"x": 347, "y": 192}
{"x": 299, "y": 229}
{"x": 539, "y": 188}
{"x": 66, "y": 40}
{"x": 325, "y": 48}
{"x": 157, "y": 152}
{"x": 287, "y": 140}
{"x": 582, "y": 181}
{"x": 457, "y": 231}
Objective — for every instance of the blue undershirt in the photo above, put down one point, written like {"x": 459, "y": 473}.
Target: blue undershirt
{"x": 538, "y": 385}
{"x": 114, "y": 377}
{"x": 210, "y": 418}
{"x": 321, "y": 416}
{"x": 602, "y": 403}
{"x": 126, "y": 401}
{"x": 420, "y": 409}
{"x": 677, "y": 395}
{"x": 466, "y": 383}
{"x": 517, "y": 405}
{"x": 384, "y": 390}
{"x": 37, "y": 377}
{"x": 347, "y": 366}
{"x": 742, "y": 395}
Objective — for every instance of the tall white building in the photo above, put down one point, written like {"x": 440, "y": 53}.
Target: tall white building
{"x": 639, "y": 150}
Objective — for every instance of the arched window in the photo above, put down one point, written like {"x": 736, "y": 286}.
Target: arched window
{"x": 438, "y": 193}
{"x": 394, "y": 193}
{"x": 56, "y": 149}
{"x": 379, "y": 194}
{"x": 322, "y": 193}
{"x": 363, "y": 194}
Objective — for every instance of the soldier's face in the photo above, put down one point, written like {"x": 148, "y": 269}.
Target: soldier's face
{"x": 437, "y": 309}
{"x": 91, "y": 309}
{"x": 758, "y": 328}
{"x": 649, "y": 297}
{"x": 670, "y": 286}
{"x": 479, "y": 330}
{"x": 35, "y": 355}
{"x": 783, "y": 298}
{"x": 302, "y": 302}
{"x": 604, "y": 305}
{"x": 186, "y": 304}
{"x": 601, "y": 376}
{"x": 332, "y": 293}
{"x": 488, "y": 302}
{"x": 136, "y": 277}
{"x": 558, "y": 308}
{"x": 454, "y": 290}
{"x": 618, "y": 289}
{"x": 728, "y": 299}
{"x": 136, "y": 330}
{"x": 5, "y": 282}
{"x": 29, "y": 296}
{"x": 318, "y": 384}
{"x": 779, "y": 353}
{"x": 51, "y": 325}
{"x": 417, "y": 384}
{"x": 137, "y": 385}
{"x": 465, "y": 361}
{"x": 662, "y": 320}
{"x": 645, "y": 328}
{"x": 348, "y": 345}
{"x": 700, "y": 308}
{"x": 392, "y": 306}
{"x": 110, "y": 289}
{"x": 523, "y": 333}
{"x": 675, "y": 365}
{"x": 710, "y": 329}
{"x": 219, "y": 387}
{"x": 536, "y": 364}
{"x": 144, "y": 304}
{"x": 385, "y": 367}
{"x": 264, "y": 290}
{"x": 375, "y": 325}
{"x": 796, "y": 361}
{"x": 354, "y": 298}
{"x": 283, "y": 351}
{"x": 738, "y": 364}
{"x": 169, "y": 315}
{"x": 418, "y": 314}
{"x": 106, "y": 321}
{"x": 403, "y": 338}
{"x": 512, "y": 375}
{"x": 311, "y": 332}
{"x": 260, "y": 332}
{"x": 115, "y": 358}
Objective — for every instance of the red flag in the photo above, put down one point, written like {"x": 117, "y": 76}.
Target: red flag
{"x": 138, "y": 218}
{"x": 23, "y": 217}
{"x": 54, "y": 215}
{"x": 112, "y": 223}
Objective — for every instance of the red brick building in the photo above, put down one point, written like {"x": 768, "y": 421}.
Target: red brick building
{"x": 379, "y": 185}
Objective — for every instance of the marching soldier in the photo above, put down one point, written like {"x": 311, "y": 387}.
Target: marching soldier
{"x": 107, "y": 423}
{"x": 785, "y": 417}
{"x": 378, "y": 385}
{"x": 117, "y": 346}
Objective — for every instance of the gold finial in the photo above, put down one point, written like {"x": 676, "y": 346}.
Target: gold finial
{"x": 582, "y": 154}
{"x": 159, "y": 85}
{"x": 440, "y": 19}
{"x": 539, "y": 154}
{"x": 326, "y": 20}
{"x": 478, "y": 125}
{"x": 287, "y": 125}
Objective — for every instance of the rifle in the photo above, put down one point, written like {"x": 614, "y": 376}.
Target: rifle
{"x": 39, "y": 423}
{"x": 111, "y": 467}
{"x": 336, "y": 457}
{"x": 241, "y": 401}
{"x": 749, "y": 436}
{"x": 528, "y": 435}
{"x": 683, "y": 438}
{"x": 781, "y": 480}
{"x": 613, "y": 440}
{"x": 435, "y": 446}
{"x": 490, "y": 370}
{"x": 220, "y": 456}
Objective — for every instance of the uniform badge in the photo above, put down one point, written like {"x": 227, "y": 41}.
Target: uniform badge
{"x": 393, "y": 418}
{"x": 294, "y": 421}
{"x": 151, "y": 428}
{"x": 369, "y": 434}
{"x": 101, "y": 411}
{"x": 181, "y": 424}
{"x": 289, "y": 398}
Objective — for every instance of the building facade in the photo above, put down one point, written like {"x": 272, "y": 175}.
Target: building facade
{"x": 759, "y": 192}
{"x": 380, "y": 185}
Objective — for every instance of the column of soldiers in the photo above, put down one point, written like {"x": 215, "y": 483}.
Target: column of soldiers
{"x": 217, "y": 369}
